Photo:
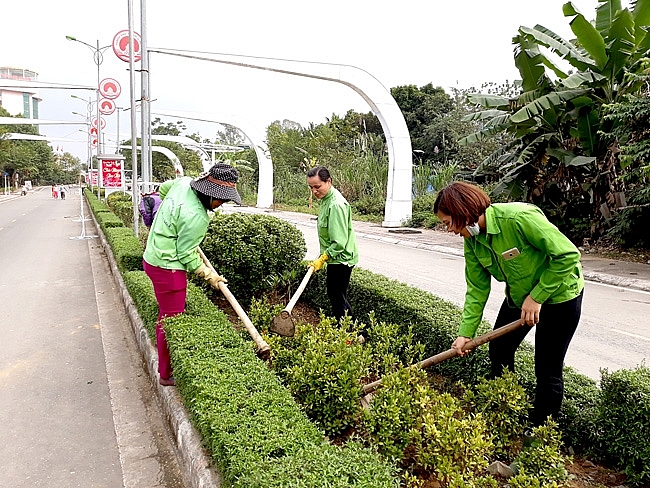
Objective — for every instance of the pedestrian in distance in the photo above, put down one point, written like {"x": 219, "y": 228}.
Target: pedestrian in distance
{"x": 62, "y": 191}
{"x": 55, "y": 193}
{"x": 516, "y": 244}
{"x": 338, "y": 244}
{"x": 178, "y": 228}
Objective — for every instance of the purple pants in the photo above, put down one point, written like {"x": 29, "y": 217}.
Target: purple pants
{"x": 170, "y": 287}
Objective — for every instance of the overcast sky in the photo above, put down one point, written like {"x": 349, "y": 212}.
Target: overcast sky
{"x": 460, "y": 43}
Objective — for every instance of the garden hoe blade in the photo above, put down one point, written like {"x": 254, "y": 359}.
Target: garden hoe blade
{"x": 370, "y": 388}
{"x": 283, "y": 323}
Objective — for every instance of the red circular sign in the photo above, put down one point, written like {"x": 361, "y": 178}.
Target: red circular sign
{"x": 102, "y": 122}
{"x": 121, "y": 43}
{"x": 110, "y": 88}
{"x": 106, "y": 106}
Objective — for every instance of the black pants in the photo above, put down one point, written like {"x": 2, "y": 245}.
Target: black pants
{"x": 338, "y": 280}
{"x": 553, "y": 333}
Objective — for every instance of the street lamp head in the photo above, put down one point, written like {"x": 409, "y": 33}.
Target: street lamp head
{"x": 71, "y": 38}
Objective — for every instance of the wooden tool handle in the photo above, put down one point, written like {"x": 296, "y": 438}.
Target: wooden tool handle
{"x": 263, "y": 350}
{"x": 450, "y": 353}
{"x": 301, "y": 288}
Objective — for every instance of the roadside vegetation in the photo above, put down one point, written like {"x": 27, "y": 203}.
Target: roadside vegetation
{"x": 299, "y": 420}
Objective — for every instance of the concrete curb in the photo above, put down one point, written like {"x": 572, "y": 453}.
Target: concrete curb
{"x": 195, "y": 464}
{"x": 606, "y": 279}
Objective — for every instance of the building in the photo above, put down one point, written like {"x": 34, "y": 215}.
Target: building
{"x": 15, "y": 99}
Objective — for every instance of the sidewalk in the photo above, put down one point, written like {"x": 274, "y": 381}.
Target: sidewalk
{"x": 79, "y": 408}
{"x": 608, "y": 271}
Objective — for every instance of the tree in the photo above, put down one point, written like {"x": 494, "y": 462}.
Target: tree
{"x": 23, "y": 159}
{"x": 561, "y": 156}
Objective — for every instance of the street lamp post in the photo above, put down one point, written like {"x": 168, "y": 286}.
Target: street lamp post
{"x": 88, "y": 116}
{"x": 98, "y": 58}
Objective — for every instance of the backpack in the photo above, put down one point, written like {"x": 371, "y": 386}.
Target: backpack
{"x": 149, "y": 204}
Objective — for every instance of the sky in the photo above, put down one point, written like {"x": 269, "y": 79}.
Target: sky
{"x": 462, "y": 43}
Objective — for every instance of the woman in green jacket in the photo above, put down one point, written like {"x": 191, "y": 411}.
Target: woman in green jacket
{"x": 338, "y": 244}
{"x": 179, "y": 226}
{"x": 516, "y": 244}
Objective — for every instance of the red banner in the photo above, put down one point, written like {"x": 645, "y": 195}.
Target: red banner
{"x": 112, "y": 174}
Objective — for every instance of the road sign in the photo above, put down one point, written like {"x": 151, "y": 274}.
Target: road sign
{"x": 93, "y": 131}
{"x": 102, "y": 122}
{"x": 110, "y": 88}
{"x": 121, "y": 45}
{"x": 106, "y": 106}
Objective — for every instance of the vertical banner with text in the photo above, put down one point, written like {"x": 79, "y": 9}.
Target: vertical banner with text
{"x": 111, "y": 171}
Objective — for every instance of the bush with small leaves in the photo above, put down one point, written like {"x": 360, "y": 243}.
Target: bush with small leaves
{"x": 249, "y": 249}
{"x": 504, "y": 405}
{"x": 327, "y": 379}
{"x": 393, "y": 412}
{"x": 393, "y": 346}
{"x": 624, "y": 419}
{"x": 543, "y": 458}
{"x": 449, "y": 443}
{"x": 262, "y": 312}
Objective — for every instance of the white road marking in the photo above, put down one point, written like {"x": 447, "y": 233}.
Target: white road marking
{"x": 637, "y": 336}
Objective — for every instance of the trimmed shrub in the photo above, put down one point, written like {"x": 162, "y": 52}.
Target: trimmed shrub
{"x": 323, "y": 466}
{"x": 625, "y": 422}
{"x": 504, "y": 405}
{"x": 121, "y": 205}
{"x": 126, "y": 248}
{"x": 249, "y": 250}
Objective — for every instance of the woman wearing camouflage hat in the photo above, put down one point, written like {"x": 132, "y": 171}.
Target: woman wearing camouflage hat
{"x": 179, "y": 226}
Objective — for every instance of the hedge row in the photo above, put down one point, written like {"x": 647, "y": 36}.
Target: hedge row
{"x": 595, "y": 421}
{"x": 256, "y": 433}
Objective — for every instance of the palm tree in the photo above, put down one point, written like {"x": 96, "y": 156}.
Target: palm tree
{"x": 560, "y": 156}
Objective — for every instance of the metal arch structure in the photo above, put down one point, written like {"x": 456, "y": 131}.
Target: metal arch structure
{"x": 197, "y": 147}
{"x": 178, "y": 167}
{"x": 400, "y": 163}
{"x": 186, "y": 141}
{"x": 256, "y": 140}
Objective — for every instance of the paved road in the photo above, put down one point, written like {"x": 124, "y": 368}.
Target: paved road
{"x": 614, "y": 330}
{"x": 78, "y": 408}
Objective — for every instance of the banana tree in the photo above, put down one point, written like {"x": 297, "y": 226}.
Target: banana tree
{"x": 560, "y": 157}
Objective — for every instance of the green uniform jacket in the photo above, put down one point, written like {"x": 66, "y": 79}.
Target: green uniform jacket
{"x": 335, "y": 232}
{"x": 547, "y": 266}
{"x": 178, "y": 228}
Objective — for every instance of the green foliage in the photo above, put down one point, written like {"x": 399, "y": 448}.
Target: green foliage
{"x": 578, "y": 418}
{"x": 249, "y": 249}
{"x": 141, "y": 292}
{"x": 504, "y": 405}
{"x": 107, "y": 220}
{"x": 563, "y": 154}
{"x": 261, "y": 313}
{"x": 394, "y": 411}
{"x": 392, "y": 346}
{"x": 422, "y": 214}
{"x": 126, "y": 248}
{"x": 449, "y": 443}
{"x": 327, "y": 380}
{"x": 323, "y": 466}
{"x": 122, "y": 206}
{"x": 624, "y": 421}
{"x": 543, "y": 459}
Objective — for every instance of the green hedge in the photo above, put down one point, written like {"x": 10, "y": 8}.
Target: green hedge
{"x": 259, "y": 437}
{"x": 590, "y": 418}
{"x": 255, "y": 431}
{"x": 126, "y": 248}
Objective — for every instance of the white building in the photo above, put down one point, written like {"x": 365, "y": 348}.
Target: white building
{"x": 19, "y": 101}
